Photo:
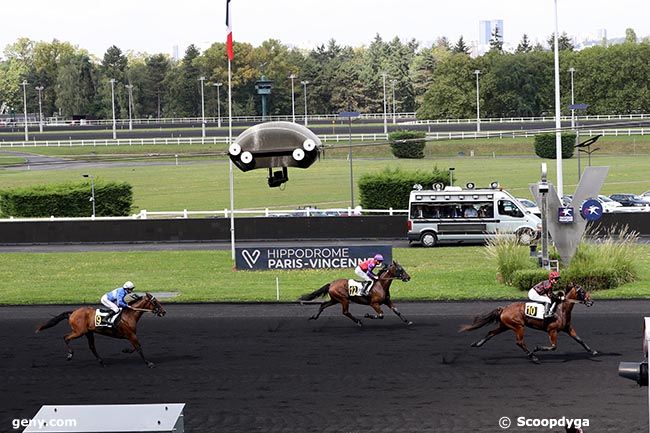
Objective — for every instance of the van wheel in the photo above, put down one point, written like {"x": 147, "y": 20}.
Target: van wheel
{"x": 525, "y": 236}
{"x": 429, "y": 239}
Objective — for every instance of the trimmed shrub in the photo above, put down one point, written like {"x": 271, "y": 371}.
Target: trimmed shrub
{"x": 391, "y": 187}
{"x": 407, "y": 144}
{"x": 67, "y": 200}
{"x": 545, "y": 145}
{"x": 525, "y": 279}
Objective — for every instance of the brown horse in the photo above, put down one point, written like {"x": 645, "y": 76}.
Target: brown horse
{"x": 82, "y": 322}
{"x": 512, "y": 317}
{"x": 379, "y": 294}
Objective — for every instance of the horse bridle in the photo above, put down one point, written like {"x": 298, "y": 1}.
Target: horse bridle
{"x": 155, "y": 310}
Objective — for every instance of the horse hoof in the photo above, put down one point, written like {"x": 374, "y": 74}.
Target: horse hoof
{"x": 594, "y": 352}
{"x": 535, "y": 359}
{"x": 359, "y": 324}
{"x": 69, "y": 357}
{"x": 409, "y": 323}
{"x": 368, "y": 316}
{"x": 312, "y": 318}
{"x": 151, "y": 364}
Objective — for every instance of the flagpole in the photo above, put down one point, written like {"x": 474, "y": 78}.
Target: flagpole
{"x": 232, "y": 180}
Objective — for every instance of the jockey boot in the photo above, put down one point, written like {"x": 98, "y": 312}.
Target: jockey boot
{"x": 366, "y": 288}
{"x": 550, "y": 310}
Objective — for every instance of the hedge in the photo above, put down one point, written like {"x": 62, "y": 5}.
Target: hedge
{"x": 545, "y": 145}
{"x": 391, "y": 188}
{"x": 67, "y": 200}
{"x": 407, "y": 144}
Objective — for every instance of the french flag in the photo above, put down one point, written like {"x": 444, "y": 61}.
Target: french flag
{"x": 229, "y": 49}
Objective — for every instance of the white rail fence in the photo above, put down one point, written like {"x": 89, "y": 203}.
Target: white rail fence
{"x": 325, "y": 138}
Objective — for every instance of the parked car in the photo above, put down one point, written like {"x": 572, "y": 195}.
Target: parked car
{"x": 530, "y": 206}
{"x": 628, "y": 199}
{"x": 608, "y": 204}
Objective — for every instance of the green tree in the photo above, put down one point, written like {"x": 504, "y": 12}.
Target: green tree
{"x": 564, "y": 42}
{"x": 496, "y": 41}
{"x": 75, "y": 86}
{"x": 630, "y": 36}
{"x": 524, "y": 46}
{"x": 461, "y": 47}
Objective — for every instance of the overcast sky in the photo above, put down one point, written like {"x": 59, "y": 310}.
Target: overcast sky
{"x": 156, "y": 26}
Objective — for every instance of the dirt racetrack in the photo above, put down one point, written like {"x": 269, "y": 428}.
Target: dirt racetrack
{"x": 265, "y": 368}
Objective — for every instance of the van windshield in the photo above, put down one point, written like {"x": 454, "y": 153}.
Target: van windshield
{"x": 452, "y": 210}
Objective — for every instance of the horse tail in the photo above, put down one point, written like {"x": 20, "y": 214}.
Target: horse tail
{"x": 316, "y": 294}
{"x": 480, "y": 321}
{"x": 54, "y": 320}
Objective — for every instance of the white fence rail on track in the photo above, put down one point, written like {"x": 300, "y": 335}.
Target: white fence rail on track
{"x": 225, "y": 213}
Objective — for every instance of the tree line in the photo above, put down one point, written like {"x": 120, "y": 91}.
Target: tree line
{"x": 438, "y": 81}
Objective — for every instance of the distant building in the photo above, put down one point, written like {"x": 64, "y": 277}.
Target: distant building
{"x": 175, "y": 55}
{"x": 485, "y": 30}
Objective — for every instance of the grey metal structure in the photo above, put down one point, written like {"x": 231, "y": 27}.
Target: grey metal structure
{"x": 114, "y": 418}
{"x": 566, "y": 237}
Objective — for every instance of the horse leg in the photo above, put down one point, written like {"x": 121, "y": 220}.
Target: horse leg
{"x": 552, "y": 335}
{"x": 396, "y": 311}
{"x": 323, "y": 306}
{"x": 138, "y": 348}
{"x": 572, "y": 332}
{"x": 519, "y": 336}
{"x": 69, "y": 337}
{"x": 489, "y": 335}
{"x": 91, "y": 343}
{"x": 379, "y": 313}
{"x": 345, "y": 306}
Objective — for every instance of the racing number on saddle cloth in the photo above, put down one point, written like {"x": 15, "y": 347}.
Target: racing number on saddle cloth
{"x": 98, "y": 319}
{"x": 531, "y": 310}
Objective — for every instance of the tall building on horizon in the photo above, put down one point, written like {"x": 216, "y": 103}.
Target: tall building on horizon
{"x": 486, "y": 28}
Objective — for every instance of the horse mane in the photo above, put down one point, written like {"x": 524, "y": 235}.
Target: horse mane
{"x": 135, "y": 297}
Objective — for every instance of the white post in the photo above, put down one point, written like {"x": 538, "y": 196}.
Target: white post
{"x": 112, "y": 80}
{"x": 24, "y": 84}
{"x": 40, "y": 109}
{"x": 130, "y": 89}
{"x": 277, "y": 289}
{"x": 573, "y": 124}
{"x": 293, "y": 102}
{"x": 478, "y": 103}
{"x": 218, "y": 85}
{"x": 383, "y": 75}
{"x": 231, "y": 175}
{"x": 304, "y": 84}
{"x": 392, "y": 82}
{"x": 558, "y": 123}
{"x": 202, "y": 79}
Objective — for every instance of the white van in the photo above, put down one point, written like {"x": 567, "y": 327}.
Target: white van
{"x": 459, "y": 215}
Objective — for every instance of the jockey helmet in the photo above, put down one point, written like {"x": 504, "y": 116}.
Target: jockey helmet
{"x": 379, "y": 257}
{"x": 553, "y": 275}
{"x": 128, "y": 285}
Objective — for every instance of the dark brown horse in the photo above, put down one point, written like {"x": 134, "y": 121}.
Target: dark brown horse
{"x": 379, "y": 294}
{"x": 82, "y": 322}
{"x": 512, "y": 318}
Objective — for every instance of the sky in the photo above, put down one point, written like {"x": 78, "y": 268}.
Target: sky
{"x": 148, "y": 26}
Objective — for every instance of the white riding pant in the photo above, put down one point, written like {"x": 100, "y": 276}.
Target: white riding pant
{"x": 109, "y": 304}
{"x": 362, "y": 274}
{"x": 534, "y": 296}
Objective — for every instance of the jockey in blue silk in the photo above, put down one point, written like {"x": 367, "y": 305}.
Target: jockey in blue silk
{"x": 115, "y": 298}
{"x": 364, "y": 271}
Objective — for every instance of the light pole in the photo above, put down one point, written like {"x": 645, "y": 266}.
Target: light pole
{"x": 217, "y": 85}
{"x": 392, "y": 82}
{"x": 130, "y": 89}
{"x": 477, "y": 72}
{"x": 112, "y": 80}
{"x": 40, "y": 109}
{"x": 92, "y": 190}
{"x": 383, "y": 75}
{"x": 558, "y": 123}
{"x": 202, "y": 79}
{"x": 293, "y": 104}
{"x": 573, "y": 123}
{"x": 24, "y": 84}
{"x": 304, "y": 85}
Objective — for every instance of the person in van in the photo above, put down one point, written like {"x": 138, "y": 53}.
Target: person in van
{"x": 470, "y": 212}
{"x": 486, "y": 211}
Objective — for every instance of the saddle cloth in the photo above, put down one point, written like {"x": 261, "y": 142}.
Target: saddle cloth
{"x": 102, "y": 318}
{"x": 355, "y": 288}
{"x": 534, "y": 310}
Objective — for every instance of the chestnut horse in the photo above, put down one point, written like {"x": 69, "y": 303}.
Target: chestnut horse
{"x": 512, "y": 317}
{"x": 379, "y": 294}
{"x": 82, "y": 322}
